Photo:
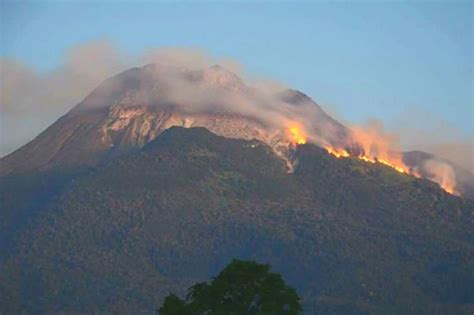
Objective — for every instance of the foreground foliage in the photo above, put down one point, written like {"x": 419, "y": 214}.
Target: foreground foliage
{"x": 243, "y": 287}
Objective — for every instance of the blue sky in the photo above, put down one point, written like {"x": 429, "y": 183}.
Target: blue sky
{"x": 366, "y": 59}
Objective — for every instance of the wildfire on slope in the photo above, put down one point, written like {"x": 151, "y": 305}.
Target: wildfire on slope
{"x": 441, "y": 173}
{"x": 449, "y": 188}
{"x": 296, "y": 134}
{"x": 378, "y": 146}
{"x": 375, "y": 147}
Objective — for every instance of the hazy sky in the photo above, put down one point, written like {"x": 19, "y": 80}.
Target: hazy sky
{"x": 384, "y": 60}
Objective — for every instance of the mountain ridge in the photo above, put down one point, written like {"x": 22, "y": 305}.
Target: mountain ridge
{"x": 132, "y": 108}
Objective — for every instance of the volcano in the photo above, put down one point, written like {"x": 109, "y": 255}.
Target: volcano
{"x": 163, "y": 174}
{"x": 132, "y": 108}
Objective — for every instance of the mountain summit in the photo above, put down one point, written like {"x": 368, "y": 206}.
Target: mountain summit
{"x": 132, "y": 108}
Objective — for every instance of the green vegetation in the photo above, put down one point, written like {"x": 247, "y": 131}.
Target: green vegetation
{"x": 350, "y": 237}
{"x": 243, "y": 287}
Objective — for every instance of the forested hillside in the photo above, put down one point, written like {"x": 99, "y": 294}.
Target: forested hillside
{"x": 352, "y": 237}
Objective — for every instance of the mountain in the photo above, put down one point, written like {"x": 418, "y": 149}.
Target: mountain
{"x": 351, "y": 237}
{"x": 162, "y": 175}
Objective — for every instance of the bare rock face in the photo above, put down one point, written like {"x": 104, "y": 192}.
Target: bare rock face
{"x": 135, "y": 126}
{"x": 139, "y": 125}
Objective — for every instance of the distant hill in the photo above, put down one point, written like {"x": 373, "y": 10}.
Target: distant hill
{"x": 117, "y": 236}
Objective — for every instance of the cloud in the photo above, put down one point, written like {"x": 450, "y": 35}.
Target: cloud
{"x": 31, "y": 100}
{"x": 25, "y": 89}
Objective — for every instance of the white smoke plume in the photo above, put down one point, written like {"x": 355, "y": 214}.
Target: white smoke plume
{"x": 441, "y": 173}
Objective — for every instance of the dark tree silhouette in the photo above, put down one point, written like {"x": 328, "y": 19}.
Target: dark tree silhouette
{"x": 243, "y": 287}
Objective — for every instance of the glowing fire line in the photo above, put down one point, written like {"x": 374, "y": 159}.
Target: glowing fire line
{"x": 341, "y": 153}
{"x": 298, "y": 136}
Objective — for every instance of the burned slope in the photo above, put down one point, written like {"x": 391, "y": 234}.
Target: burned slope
{"x": 352, "y": 237}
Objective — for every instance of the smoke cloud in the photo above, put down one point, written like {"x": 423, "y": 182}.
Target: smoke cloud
{"x": 425, "y": 130}
{"x": 31, "y": 100}
{"x": 441, "y": 173}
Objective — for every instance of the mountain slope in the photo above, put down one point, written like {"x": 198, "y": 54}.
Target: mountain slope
{"x": 352, "y": 237}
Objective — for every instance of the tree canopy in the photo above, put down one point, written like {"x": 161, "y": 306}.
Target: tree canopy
{"x": 243, "y": 287}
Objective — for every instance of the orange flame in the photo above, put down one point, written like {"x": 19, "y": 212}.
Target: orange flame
{"x": 378, "y": 147}
{"x": 297, "y": 134}
{"x": 337, "y": 152}
{"x": 343, "y": 153}
{"x": 449, "y": 189}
